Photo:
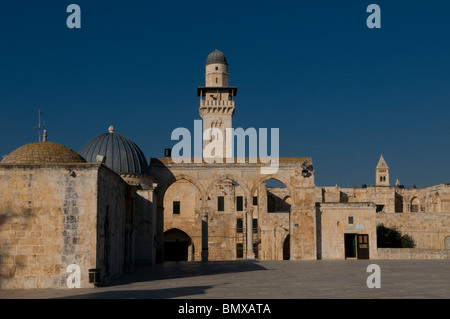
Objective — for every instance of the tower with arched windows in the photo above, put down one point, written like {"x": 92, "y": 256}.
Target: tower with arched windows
{"x": 382, "y": 173}
{"x": 216, "y": 98}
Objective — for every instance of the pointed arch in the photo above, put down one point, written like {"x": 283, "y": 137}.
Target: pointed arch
{"x": 177, "y": 177}
{"x": 178, "y": 245}
{"x": 174, "y": 234}
{"x": 265, "y": 178}
{"x": 415, "y": 204}
{"x": 239, "y": 181}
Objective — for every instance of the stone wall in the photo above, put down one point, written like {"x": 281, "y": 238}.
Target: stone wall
{"x": 189, "y": 220}
{"x": 145, "y": 226}
{"x": 431, "y": 199}
{"x": 332, "y": 221}
{"x": 273, "y": 226}
{"x": 114, "y": 226}
{"x": 54, "y": 216}
{"x": 208, "y": 181}
{"x": 391, "y": 199}
{"x": 380, "y": 195}
{"x": 429, "y": 230}
{"x": 43, "y": 211}
{"x": 412, "y": 253}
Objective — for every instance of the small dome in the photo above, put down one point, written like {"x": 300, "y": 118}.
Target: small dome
{"x": 123, "y": 156}
{"x": 43, "y": 153}
{"x": 216, "y": 57}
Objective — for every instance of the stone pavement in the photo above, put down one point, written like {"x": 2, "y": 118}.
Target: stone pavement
{"x": 320, "y": 279}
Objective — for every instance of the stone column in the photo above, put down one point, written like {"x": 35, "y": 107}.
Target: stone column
{"x": 250, "y": 253}
{"x": 204, "y": 212}
{"x": 303, "y": 233}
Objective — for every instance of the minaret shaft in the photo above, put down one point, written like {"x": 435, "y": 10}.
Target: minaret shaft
{"x": 217, "y": 98}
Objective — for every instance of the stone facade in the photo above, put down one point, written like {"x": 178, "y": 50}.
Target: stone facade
{"x": 341, "y": 222}
{"x": 49, "y": 220}
{"x": 429, "y": 230}
{"x": 56, "y": 209}
{"x": 53, "y": 215}
{"x": 211, "y": 201}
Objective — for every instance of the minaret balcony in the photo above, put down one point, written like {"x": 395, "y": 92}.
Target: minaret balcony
{"x": 207, "y": 103}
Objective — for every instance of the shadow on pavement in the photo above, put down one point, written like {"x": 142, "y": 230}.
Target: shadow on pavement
{"x": 142, "y": 294}
{"x": 183, "y": 269}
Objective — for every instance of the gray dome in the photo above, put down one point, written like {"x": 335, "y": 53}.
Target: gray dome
{"x": 122, "y": 155}
{"x": 216, "y": 57}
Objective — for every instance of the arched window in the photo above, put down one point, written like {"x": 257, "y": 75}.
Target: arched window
{"x": 415, "y": 204}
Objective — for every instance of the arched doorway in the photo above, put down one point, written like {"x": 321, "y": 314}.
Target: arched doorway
{"x": 177, "y": 245}
{"x": 415, "y": 205}
{"x": 274, "y": 212}
{"x": 181, "y": 199}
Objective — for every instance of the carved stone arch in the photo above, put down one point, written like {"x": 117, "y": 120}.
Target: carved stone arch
{"x": 232, "y": 178}
{"x": 264, "y": 178}
{"x": 415, "y": 204}
{"x": 178, "y": 245}
{"x": 179, "y": 231}
{"x": 178, "y": 177}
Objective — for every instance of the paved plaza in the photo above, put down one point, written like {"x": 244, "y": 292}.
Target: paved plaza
{"x": 267, "y": 280}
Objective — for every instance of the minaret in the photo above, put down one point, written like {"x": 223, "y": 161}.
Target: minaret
{"x": 382, "y": 173}
{"x": 216, "y": 97}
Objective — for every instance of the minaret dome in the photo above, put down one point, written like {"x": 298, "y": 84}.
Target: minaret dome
{"x": 216, "y": 69}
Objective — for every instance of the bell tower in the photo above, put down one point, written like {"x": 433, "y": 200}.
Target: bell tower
{"x": 216, "y": 97}
{"x": 382, "y": 173}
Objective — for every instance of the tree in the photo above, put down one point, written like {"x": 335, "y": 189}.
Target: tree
{"x": 391, "y": 237}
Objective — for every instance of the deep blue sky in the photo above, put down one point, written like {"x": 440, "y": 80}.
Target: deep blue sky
{"x": 340, "y": 92}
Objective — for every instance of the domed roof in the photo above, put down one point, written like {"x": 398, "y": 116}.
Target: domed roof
{"x": 43, "y": 153}
{"x": 122, "y": 155}
{"x": 216, "y": 57}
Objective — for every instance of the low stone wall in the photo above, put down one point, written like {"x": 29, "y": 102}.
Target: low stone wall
{"x": 412, "y": 253}
{"x": 429, "y": 230}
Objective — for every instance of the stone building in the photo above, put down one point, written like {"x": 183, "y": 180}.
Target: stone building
{"x": 226, "y": 211}
{"x": 423, "y": 213}
{"x": 107, "y": 209}
{"x": 57, "y": 209}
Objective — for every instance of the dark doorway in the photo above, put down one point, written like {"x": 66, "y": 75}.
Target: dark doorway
{"x": 287, "y": 248}
{"x": 176, "y": 245}
{"x": 356, "y": 246}
{"x": 350, "y": 245}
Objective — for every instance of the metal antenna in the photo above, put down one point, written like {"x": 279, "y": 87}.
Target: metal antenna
{"x": 39, "y": 128}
